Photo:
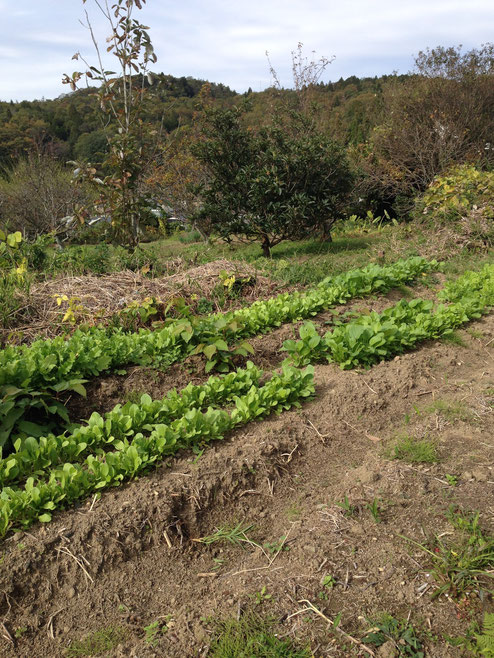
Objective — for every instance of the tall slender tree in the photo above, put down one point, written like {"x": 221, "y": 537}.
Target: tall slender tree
{"x": 120, "y": 97}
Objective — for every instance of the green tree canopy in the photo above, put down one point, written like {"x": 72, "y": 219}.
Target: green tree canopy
{"x": 285, "y": 181}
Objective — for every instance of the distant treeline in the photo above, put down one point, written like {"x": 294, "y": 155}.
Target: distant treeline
{"x": 398, "y": 131}
{"x": 69, "y": 127}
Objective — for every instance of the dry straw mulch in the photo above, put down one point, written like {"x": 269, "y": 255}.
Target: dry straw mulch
{"x": 102, "y": 296}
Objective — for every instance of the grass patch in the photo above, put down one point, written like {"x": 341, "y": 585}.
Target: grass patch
{"x": 228, "y": 534}
{"x": 453, "y": 338}
{"x": 251, "y": 637}
{"x": 415, "y": 451}
{"x": 189, "y": 237}
{"x": 98, "y": 643}
{"x": 462, "y": 564}
{"x": 304, "y": 262}
{"x": 406, "y": 291}
{"x": 452, "y": 411}
{"x": 467, "y": 260}
{"x": 401, "y": 633}
{"x": 474, "y": 333}
{"x": 346, "y": 506}
{"x": 134, "y": 396}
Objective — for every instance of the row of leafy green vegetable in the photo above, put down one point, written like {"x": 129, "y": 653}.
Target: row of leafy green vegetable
{"x": 377, "y": 336}
{"x": 20, "y": 507}
{"x": 32, "y": 376}
{"x": 34, "y": 456}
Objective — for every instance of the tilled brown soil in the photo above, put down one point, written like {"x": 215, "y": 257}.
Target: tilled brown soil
{"x": 129, "y": 559}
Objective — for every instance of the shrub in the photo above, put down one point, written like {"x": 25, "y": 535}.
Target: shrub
{"x": 14, "y": 278}
{"x": 451, "y": 196}
{"x": 37, "y": 195}
{"x": 190, "y": 237}
{"x": 441, "y": 117}
{"x": 464, "y": 200}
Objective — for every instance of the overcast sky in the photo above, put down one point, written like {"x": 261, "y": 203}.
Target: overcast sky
{"x": 225, "y": 41}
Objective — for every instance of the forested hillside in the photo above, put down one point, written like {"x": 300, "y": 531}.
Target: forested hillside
{"x": 398, "y": 131}
{"x": 70, "y": 126}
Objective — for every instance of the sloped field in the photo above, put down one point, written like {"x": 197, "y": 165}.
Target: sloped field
{"x": 342, "y": 507}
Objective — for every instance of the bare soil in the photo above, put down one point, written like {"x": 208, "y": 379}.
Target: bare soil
{"x": 130, "y": 559}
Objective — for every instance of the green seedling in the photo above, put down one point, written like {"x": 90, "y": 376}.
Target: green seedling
{"x": 19, "y": 632}
{"x": 199, "y": 452}
{"x": 276, "y": 546}
{"x": 156, "y": 629}
{"x": 346, "y": 506}
{"x": 328, "y": 582}
{"x": 375, "y": 510}
{"x": 452, "y": 480}
{"x": 262, "y": 596}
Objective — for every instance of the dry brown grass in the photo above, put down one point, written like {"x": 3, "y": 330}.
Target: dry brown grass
{"x": 103, "y": 296}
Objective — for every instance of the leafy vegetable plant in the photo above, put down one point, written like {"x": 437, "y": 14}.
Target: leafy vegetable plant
{"x": 378, "y": 336}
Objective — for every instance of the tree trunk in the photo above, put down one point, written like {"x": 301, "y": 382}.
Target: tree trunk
{"x": 326, "y": 231}
{"x": 266, "y": 247}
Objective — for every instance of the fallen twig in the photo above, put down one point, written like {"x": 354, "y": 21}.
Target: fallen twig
{"x": 49, "y": 625}
{"x": 167, "y": 539}
{"x": 312, "y": 608}
{"x": 321, "y": 436}
{"x": 6, "y": 634}
{"x": 285, "y": 539}
{"x": 370, "y": 387}
{"x": 80, "y": 561}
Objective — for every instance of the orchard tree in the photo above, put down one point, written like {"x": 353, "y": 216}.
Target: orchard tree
{"x": 284, "y": 182}
{"x": 120, "y": 98}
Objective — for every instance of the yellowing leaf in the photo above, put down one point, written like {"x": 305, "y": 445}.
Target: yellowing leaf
{"x": 210, "y": 350}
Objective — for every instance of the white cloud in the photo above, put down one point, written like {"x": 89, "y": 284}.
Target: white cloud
{"x": 225, "y": 42}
